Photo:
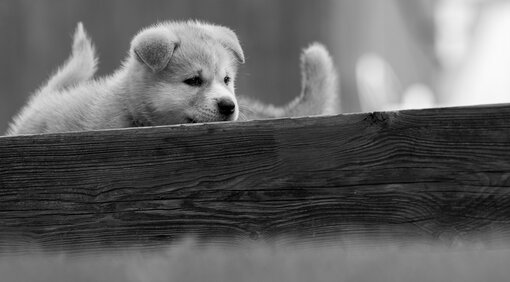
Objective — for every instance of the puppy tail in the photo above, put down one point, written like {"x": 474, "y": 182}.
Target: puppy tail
{"x": 319, "y": 90}
{"x": 79, "y": 67}
{"x": 319, "y": 87}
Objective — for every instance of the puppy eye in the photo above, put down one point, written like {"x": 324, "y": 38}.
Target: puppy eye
{"x": 226, "y": 80}
{"x": 195, "y": 81}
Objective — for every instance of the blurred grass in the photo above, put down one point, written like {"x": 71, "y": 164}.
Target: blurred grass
{"x": 264, "y": 263}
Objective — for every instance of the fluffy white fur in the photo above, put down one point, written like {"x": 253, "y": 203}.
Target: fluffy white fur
{"x": 80, "y": 67}
{"x": 148, "y": 88}
{"x": 319, "y": 90}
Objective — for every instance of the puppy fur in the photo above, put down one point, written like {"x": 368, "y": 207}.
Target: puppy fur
{"x": 80, "y": 67}
{"x": 319, "y": 90}
{"x": 150, "y": 89}
{"x": 176, "y": 72}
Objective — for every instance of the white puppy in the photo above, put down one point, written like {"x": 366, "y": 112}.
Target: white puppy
{"x": 176, "y": 72}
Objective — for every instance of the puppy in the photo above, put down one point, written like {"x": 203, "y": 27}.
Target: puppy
{"x": 319, "y": 91}
{"x": 176, "y": 72}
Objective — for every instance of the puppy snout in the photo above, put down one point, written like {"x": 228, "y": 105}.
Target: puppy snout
{"x": 226, "y": 106}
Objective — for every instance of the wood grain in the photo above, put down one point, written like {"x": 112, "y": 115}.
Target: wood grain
{"x": 434, "y": 175}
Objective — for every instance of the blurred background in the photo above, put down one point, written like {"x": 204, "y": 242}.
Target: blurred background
{"x": 390, "y": 54}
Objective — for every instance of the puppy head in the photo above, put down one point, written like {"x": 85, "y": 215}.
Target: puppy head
{"x": 185, "y": 72}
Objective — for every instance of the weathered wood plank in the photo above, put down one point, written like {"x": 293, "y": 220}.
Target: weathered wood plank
{"x": 439, "y": 175}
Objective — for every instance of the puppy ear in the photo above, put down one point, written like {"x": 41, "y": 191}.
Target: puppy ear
{"x": 227, "y": 38}
{"x": 154, "y": 48}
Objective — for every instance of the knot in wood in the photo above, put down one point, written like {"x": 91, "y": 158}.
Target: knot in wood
{"x": 378, "y": 118}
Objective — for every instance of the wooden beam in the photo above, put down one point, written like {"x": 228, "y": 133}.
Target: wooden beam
{"x": 434, "y": 175}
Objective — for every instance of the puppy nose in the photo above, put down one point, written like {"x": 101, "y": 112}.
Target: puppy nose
{"x": 226, "y": 106}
